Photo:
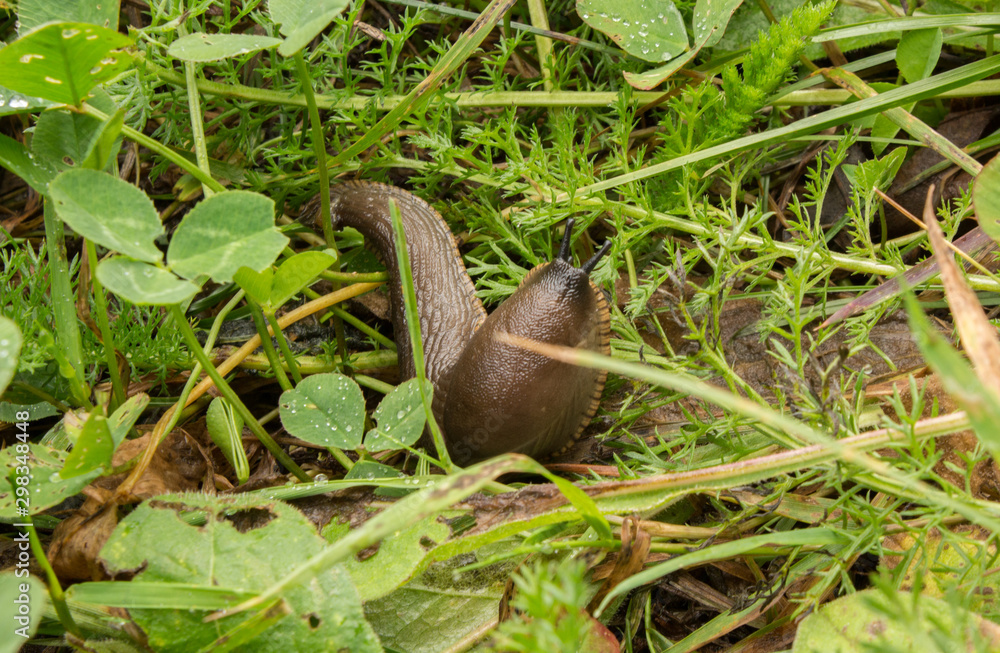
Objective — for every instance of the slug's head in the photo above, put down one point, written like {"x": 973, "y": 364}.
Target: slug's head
{"x": 503, "y": 398}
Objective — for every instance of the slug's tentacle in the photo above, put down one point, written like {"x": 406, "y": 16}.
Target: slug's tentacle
{"x": 490, "y": 397}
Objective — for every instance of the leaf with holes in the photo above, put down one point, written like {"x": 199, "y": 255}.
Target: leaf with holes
{"x": 143, "y": 284}
{"x": 302, "y": 20}
{"x": 325, "y": 409}
{"x": 62, "y": 62}
{"x": 653, "y": 32}
{"x": 242, "y": 543}
{"x": 213, "y": 47}
{"x": 111, "y": 212}
{"x": 224, "y": 233}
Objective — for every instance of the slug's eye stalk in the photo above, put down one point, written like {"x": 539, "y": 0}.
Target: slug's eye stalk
{"x": 564, "y": 248}
{"x": 589, "y": 266}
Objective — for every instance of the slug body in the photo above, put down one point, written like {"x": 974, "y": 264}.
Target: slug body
{"x": 490, "y": 397}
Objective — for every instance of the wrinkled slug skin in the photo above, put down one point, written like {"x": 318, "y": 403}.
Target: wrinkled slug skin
{"x": 489, "y": 397}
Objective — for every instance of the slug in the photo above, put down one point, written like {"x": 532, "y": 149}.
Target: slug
{"x": 490, "y": 397}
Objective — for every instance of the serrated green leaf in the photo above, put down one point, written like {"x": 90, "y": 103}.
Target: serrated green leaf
{"x": 986, "y": 198}
{"x": 400, "y": 418}
{"x": 93, "y": 449}
{"x": 36, "y": 171}
{"x": 918, "y": 53}
{"x": 10, "y": 348}
{"x": 296, "y": 273}
{"x": 22, "y": 604}
{"x": 143, "y": 284}
{"x": 224, "y": 233}
{"x": 213, "y": 47}
{"x": 62, "y": 62}
{"x": 325, "y": 409}
{"x": 300, "y": 21}
{"x": 109, "y": 211}
{"x": 46, "y": 486}
{"x": 653, "y": 32}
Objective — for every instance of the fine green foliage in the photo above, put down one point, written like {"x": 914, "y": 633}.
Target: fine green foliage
{"x": 765, "y": 67}
{"x": 779, "y": 459}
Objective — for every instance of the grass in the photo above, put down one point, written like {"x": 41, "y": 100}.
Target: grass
{"x": 749, "y": 471}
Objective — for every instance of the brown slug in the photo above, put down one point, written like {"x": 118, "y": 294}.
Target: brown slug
{"x": 489, "y": 397}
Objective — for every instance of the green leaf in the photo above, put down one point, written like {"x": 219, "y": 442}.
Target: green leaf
{"x": 22, "y": 603}
{"x": 224, "y": 233}
{"x": 12, "y": 102}
{"x": 325, "y": 409}
{"x": 650, "y": 31}
{"x": 33, "y": 13}
{"x": 397, "y": 559}
{"x": 400, "y": 418}
{"x": 213, "y": 47}
{"x": 65, "y": 137}
{"x": 256, "y": 284}
{"x": 243, "y": 544}
{"x": 62, "y": 62}
{"x": 302, "y": 20}
{"x": 10, "y": 348}
{"x": 109, "y": 211}
{"x": 225, "y": 427}
{"x": 143, "y": 284}
{"x": 37, "y": 172}
{"x": 710, "y": 20}
{"x": 861, "y": 622}
{"x": 986, "y": 198}
{"x": 137, "y": 594}
{"x": 296, "y": 273}
{"x": 93, "y": 449}
{"x": 46, "y": 486}
{"x": 918, "y": 53}
{"x": 125, "y": 417}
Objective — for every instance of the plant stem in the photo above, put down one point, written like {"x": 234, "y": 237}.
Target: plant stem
{"x": 268, "y": 346}
{"x": 227, "y": 392}
{"x": 63, "y": 307}
{"x": 162, "y": 150}
{"x": 319, "y": 148}
{"x": 286, "y": 352}
{"x": 55, "y": 589}
{"x": 107, "y": 337}
{"x": 413, "y": 324}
